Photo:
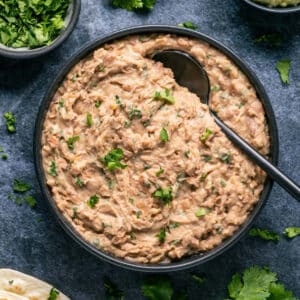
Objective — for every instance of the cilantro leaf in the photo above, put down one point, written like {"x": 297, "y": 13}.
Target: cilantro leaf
{"x": 10, "y": 120}
{"x": 157, "y": 288}
{"x": 71, "y": 141}
{"x": 89, "y": 120}
{"x": 205, "y": 135}
{"x": 291, "y": 232}
{"x": 52, "y": 169}
{"x": 164, "y": 136}
{"x": 30, "y": 201}
{"x": 164, "y": 194}
{"x": 188, "y": 24}
{"x": 160, "y": 171}
{"x": 264, "y": 234}
{"x": 111, "y": 290}
{"x": 134, "y": 4}
{"x": 283, "y": 67}
{"x": 278, "y": 292}
{"x": 201, "y": 212}
{"x": 113, "y": 159}
{"x": 164, "y": 96}
{"x": 92, "y": 201}
{"x": 161, "y": 235}
{"x": 254, "y": 284}
{"x": 20, "y": 187}
{"x": 53, "y": 294}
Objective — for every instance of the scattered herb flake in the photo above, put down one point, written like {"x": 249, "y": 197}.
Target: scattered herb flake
{"x": 101, "y": 68}
{"x": 10, "y": 122}
{"x": 215, "y": 88}
{"x": 165, "y": 96}
{"x": 113, "y": 159}
{"x": 138, "y": 214}
{"x": 127, "y": 124}
{"x": 131, "y": 200}
{"x": 283, "y": 67}
{"x": 93, "y": 201}
{"x": 173, "y": 225}
{"x": 71, "y": 141}
{"x": 264, "y": 234}
{"x": 161, "y": 235}
{"x": 10, "y": 282}
{"x": 201, "y": 212}
{"x": 74, "y": 215}
{"x": 119, "y": 102}
{"x": 206, "y": 157}
{"x": 291, "y": 232}
{"x": 53, "y": 294}
{"x": 30, "y": 201}
{"x": 52, "y": 169}
{"x": 188, "y": 24}
{"x": 226, "y": 158}
{"x": 205, "y": 135}
{"x": 159, "y": 172}
{"x": 89, "y": 120}
{"x": 79, "y": 182}
{"x": 186, "y": 153}
{"x": 19, "y": 200}
{"x": 134, "y": 113}
{"x": 97, "y": 104}
{"x": 157, "y": 288}
{"x": 20, "y": 187}
{"x": 164, "y": 136}
{"x": 271, "y": 39}
{"x": 164, "y": 194}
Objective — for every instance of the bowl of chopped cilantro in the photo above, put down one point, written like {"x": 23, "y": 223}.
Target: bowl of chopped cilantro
{"x": 32, "y": 28}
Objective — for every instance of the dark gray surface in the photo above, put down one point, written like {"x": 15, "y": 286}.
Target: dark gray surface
{"x": 41, "y": 248}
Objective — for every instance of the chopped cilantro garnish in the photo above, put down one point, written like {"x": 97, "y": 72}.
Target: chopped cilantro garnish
{"x": 186, "y": 153}
{"x": 71, "y": 141}
{"x": 270, "y": 39}
{"x": 201, "y": 212}
{"x": 157, "y": 288}
{"x": 164, "y": 194}
{"x": 164, "y": 136}
{"x": 89, "y": 119}
{"x": 131, "y": 200}
{"x": 173, "y": 225}
{"x": 203, "y": 177}
{"x": 30, "y": 201}
{"x": 188, "y": 24}
{"x": 31, "y": 23}
{"x": 20, "y": 187}
{"x": 113, "y": 159}
{"x": 93, "y": 201}
{"x": 119, "y": 102}
{"x": 291, "y": 232}
{"x": 134, "y": 113}
{"x": 79, "y": 182}
{"x": 146, "y": 166}
{"x": 97, "y": 104}
{"x": 226, "y": 158}
{"x": 161, "y": 235}
{"x": 52, "y": 169}
{"x": 10, "y": 121}
{"x": 165, "y": 96}
{"x": 159, "y": 172}
{"x": 134, "y": 4}
{"x": 205, "y": 135}
{"x": 138, "y": 214}
{"x": 53, "y": 294}
{"x": 215, "y": 88}
{"x": 259, "y": 284}
{"x": 18, "y": 200}
{"x": 127, "y": 124}
{"x": 4, "y": 156}
{"x": 61, "y": 103}
{"x": 283, "y": 67}
{"x": 100, "y": 68}
{"x": 10, "y": 282}
{"x": 74, "y": 215}
{"x": 264, "y": 234}
{"x": 111, "y": 290}
{"x": 206, "y": 157}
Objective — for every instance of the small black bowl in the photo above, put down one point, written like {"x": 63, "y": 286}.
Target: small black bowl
{"x": 23, "y": 53}
{"x": 186, "y": 262}
{"x": 274, "y": 10}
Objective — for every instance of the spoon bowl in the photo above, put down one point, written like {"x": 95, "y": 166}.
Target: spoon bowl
{"x": 189, "y": 73}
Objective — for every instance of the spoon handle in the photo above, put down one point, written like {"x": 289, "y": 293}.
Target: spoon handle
{"x": 288, "y": 184}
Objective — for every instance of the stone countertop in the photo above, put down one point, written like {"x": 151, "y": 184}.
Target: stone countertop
{"x": 32, "y": 241}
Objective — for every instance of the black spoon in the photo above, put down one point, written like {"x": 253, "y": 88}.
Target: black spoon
{"x": 189, "y": 72}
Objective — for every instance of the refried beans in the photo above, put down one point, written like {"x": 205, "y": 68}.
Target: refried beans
{"x": 137, "y": 164}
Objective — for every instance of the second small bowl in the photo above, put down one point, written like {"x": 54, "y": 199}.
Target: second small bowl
{"x": 273, "y": 10}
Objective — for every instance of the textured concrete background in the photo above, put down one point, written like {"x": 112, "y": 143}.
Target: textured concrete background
{"x": 32, "y": 241}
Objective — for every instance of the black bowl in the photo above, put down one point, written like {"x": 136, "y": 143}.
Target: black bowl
{"x": 188, "y": 261}
{"x": 274, "y": 10}
{"x": 21, "y": 53}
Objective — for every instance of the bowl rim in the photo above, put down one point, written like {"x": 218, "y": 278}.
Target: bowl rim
{"x": 275, "y": 10}
{"x": 14, "y": 53}
{"x": 183, "y": 263}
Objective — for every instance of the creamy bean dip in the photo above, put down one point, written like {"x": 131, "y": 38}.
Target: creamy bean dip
{"x": 137, "y": 164}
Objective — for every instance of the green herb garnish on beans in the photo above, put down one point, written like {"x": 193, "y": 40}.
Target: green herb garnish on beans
{"x": 89, "y": 120}
{"x": 9, "y": 117}
{"x": 31, "y": 24}
{"x": 164, "y": 136}
{"x": 283, "y": 67}
{"x": 159, "y": 172}
{"x": 134, "y": 4}
{"x": 71, "y": 141}
{"x": 164, "y": 96}
{"x": 291, "y": 232}
{"x": 201, "y": 212}
{"x": 53, "y": 294}
{"x": 205, "y": 135}
{"x": 20, "y": 187}
{"x": 92, "y": 201}
{"x": 188, "y": 24}
{"x": 161, "y": 235}
{"x": 52, "y": 169}
{"x": 226, "y": 158}
{"x": 264, "y": 234}
{"x": 113, "y": 159}
{"x": 164, "y": 194}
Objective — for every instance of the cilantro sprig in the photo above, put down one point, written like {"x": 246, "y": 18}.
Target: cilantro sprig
{"x": 291, "y": 232}
{"x": 264, "y": 234}
{"x": 134, "y": 4}
{"x": 164, "y": 96}
{"x": 157, "y": 288}
{"x": 164, "y": 194}
{"x": 283, "y": 67}
{"x": 188, "y": 24}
